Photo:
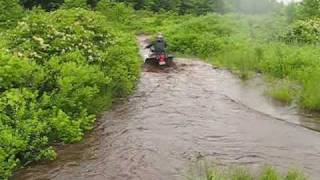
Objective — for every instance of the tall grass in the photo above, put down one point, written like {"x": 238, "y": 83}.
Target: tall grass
{"x": 291, "y": 63}
{"x": 283, "y": 90}
{"x": 241, "y": 173}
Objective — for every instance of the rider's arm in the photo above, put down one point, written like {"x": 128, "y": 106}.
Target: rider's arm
{"x": 149, "y": 46}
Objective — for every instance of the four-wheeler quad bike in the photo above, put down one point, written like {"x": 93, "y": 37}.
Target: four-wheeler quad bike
{"x": 161, "y": 59}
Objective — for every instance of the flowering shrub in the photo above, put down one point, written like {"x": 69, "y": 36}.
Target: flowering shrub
{"x": 57, "y": 68}
{"x": 68, "y": 31}
{"x": 304, "y": 32}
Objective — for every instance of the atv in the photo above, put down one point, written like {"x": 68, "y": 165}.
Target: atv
{"x": 156, "y": 58}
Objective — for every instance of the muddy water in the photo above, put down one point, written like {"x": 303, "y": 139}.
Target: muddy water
{"x": 179, "y": 116}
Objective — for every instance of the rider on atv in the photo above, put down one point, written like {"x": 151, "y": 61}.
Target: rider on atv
{"x": 159, "y": 46}
{"x": 158, "y": 53}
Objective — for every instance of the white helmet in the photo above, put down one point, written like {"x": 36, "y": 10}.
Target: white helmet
{"x": 160, "y": 36}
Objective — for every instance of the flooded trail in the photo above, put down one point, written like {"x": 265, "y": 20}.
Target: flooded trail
{"x": 178, "y": 117}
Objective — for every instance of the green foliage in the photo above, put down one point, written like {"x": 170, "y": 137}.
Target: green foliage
{"x": 50, "y": 5}
{"x": 283, "y": 90}
{"x": 150, "y": 23}
{"x": 117, "y": 12}
{"x": 311, "y": 8}
{"x": 23, "y": 129}
{"x": 75, "y": 4}
{"x": 56, "y": 67}
{"x": 45, "y": 4}
{"x": 16, "y": 72}
{"x": 310, "y": 97}
{"x": 180, "y": 6}
{"x": 292, "y": 12}
{"x": 201, "y": 36}
{"x": 10, "y": 12}
{"x": 67, "y": 31}
{"x": 240, "y": 173}
{"x": 200, "y": 7}
{"x": 295, "y": 175}
{"x": 303, "y": 10}
{"x": 281, "y": 61}
{"x": 304, "y": 32}
{"x": 269, "y": 173}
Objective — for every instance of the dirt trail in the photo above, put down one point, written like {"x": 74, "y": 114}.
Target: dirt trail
{"x": 180, "y": 116}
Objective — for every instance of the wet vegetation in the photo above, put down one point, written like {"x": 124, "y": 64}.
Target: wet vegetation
{"x": 266, "y": 173}
{"x": 62, "y": 62}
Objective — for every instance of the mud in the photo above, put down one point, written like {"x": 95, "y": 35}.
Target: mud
{"x": 181, "y": 115}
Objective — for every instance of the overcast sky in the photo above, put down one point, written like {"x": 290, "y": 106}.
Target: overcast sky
{"x": 287, "y": 1}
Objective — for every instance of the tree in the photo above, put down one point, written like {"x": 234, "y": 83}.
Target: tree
{"x": 311, "y": 8}
{"x": 54, "y": 4}
{"x": 292, "y": 11}
{"x": 181, "y": 6}
{"x": 92, "y": 3}
{"x": 45, "y": 4}
{"x": 75, "y": 4}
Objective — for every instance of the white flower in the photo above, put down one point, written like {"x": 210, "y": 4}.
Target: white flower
{"x": 38, "y": 39}
{"x": 20, "y": 54}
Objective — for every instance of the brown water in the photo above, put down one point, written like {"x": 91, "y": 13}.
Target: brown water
{"x": 179, "y": 116}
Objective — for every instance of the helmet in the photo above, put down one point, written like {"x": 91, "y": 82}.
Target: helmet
{"x": 160, "y": 36}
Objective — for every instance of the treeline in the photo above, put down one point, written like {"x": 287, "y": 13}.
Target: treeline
{"x": 12, "y": 10}
{"x": 310, "y": 8}
{"x": 179, "y": 6}
{"x": 205, "y": 6}
{"x": 307, "y": 7}
{"x": 54, "y": 4}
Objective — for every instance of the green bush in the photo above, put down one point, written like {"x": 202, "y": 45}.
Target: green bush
{"x": 149, "y": 23}
{"x": 23, "y": 129}
{"x": 283, "y": 90}
{"x": 57, "y": 67}
{"x": 68, "y": 4}
{"x": 307, "y": 31}
{"x": 16, "y": 72}
{"x": 68, "y": 31}
{"x": 117, "y": 12}
{"x": 201, "y": 36}
{"x": 10, "y": 12}
{"x": 310, "y": 8}
{"x": 310, "y": 97}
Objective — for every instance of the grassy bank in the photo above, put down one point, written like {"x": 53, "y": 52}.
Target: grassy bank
{"x": 267, "y": 173}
